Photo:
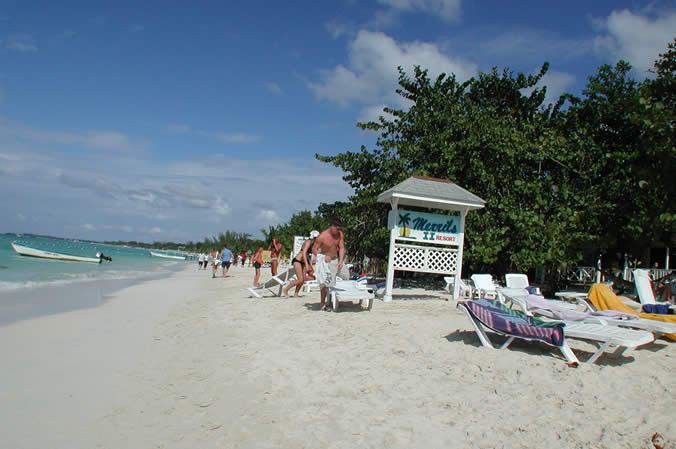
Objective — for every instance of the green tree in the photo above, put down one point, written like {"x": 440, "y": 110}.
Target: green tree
{"x": 492, "y": 138}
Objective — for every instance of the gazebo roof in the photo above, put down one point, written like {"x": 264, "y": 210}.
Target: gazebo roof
{"x": 433, "y": 193}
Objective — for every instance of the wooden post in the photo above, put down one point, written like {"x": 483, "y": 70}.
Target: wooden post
{"x": 390, "y": 260}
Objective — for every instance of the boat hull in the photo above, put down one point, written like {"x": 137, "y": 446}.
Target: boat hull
{"x": 166, "y": 256}
{"x": 42, "y": 254}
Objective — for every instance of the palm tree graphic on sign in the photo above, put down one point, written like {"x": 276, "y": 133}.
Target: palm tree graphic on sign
{"x": 403, "y": 221}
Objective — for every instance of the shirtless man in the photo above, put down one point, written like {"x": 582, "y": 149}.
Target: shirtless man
{"x": 275, "y": 249}
{"x": 329, "y": 249}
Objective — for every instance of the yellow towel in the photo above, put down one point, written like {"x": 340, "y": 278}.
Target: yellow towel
{"x": 603, "y": 298}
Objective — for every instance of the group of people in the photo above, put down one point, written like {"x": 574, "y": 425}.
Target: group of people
{"x": 223, "y": 259}
{"x": 327, "y": 250}
{"x": 320, "y": 257}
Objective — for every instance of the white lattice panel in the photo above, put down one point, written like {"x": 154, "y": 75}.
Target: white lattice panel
{"x": 425, "y": 259}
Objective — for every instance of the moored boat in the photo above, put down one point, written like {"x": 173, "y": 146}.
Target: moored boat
{"x": 41, "y": 253}
{"x": 166, "y": 256}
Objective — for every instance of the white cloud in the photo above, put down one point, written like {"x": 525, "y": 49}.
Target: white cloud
{"x": 636, "y": 38}
{"x": 448, "y": 10}
{"x": 231, "y": 137}
{"x": 98, "y": 140}
{"x": 371, "y": 76}
{"x": 122, "y": 196}
{"x": 88, "y": 227}
{"x": 274, "y": 88}
{"x": 267, "y": 217}
{"x": 337, "y": 30}
{"x": 557, "y": 83}
{"x": 373, "y": 113}
{"x": 22, "y": 43}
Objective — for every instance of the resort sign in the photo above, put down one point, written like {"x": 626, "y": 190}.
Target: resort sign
{"x": 424, "y": 227}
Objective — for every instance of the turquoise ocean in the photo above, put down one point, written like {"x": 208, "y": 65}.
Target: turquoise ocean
{"x": 32, "y": 287}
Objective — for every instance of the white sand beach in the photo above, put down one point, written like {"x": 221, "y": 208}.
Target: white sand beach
{"x": 193, "y": 362}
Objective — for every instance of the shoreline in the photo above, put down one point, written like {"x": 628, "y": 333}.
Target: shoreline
{"x": 198, "y": 363}
{"x": 33, "y": 302}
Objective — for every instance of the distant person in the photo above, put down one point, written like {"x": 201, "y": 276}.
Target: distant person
{"x": 214, "y": 262}
{"x": 200, "y": 261}
{"x": 257, "y": 263}
{"x": 208, "y": 259}
{"x": 275, "y": 249}
{"x": 243, "y": 256}
{"x": 329, "y": 249}
{"x": 302, "y": 264}
{"x": 226, "y": 259}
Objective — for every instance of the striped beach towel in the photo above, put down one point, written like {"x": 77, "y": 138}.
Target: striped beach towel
{"x": 499, "y": 318}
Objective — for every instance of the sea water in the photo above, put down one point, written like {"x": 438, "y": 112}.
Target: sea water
{"x": 31, "y": 287}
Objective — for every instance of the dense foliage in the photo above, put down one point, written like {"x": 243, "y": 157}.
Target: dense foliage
{"x": 586, "y": 175}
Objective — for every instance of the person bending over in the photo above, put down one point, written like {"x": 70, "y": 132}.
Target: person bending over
{"x": 302, "y": 263}
{"x": 329, "y": 249}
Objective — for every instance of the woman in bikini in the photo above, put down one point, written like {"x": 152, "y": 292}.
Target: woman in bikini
{"x": 301, "y": 264}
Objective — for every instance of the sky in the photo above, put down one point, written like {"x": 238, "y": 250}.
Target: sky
{"x": 174, "y": 121}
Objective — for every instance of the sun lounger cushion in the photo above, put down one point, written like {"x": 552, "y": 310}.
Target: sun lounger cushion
{"x": 603, "y": 298}
{"x": 499, "y": 318}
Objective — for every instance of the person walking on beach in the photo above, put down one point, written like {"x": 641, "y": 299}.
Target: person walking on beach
{"x": 275, "y": 249}
{"x": 329, "y": 249}
{"x": 226, "y": 257}
{"x": 302, "y": 263}
{"x": 257, "y": 263}
{"x": 214, "y": 262}
{"x": 243, "y": 257}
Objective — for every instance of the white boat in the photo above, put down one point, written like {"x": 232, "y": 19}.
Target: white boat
{"x": 166, "y": 256}
{"x": 34, "y": 252}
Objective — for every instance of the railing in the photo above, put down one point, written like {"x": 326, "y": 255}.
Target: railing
{"x": 587, "y": 275}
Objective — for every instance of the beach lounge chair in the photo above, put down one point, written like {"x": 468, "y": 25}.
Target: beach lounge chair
{"x": 275, "y": 284}
{"x": 351, "y": 291}
{"x": 603, "y": 298}
{"x": 538, "y": 305}
{"x": 464, "y": 288}
{"x": 484, "y": 286}
{"x": 516, "y": 280}
{"x": 644, "y": 287}
{"x": 517, "y": 324}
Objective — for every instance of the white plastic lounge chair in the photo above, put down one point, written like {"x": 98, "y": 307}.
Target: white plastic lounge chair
{"x": 644, "y": 286}
{"x": 557, "y": 310}
{"x": 607, "y": 338}
{"x": 585, "y": 323}
{"x": 516, "y": 280}
{"x": 486, "y": 342}
{"x": 275, "y": 284}
{"x": 484, "y": 286}
{"x": 351, "y": 291}
{"x": 464, "y": 288}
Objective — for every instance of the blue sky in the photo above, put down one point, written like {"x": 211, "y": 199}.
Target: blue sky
{"x": 179, "y": 120}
